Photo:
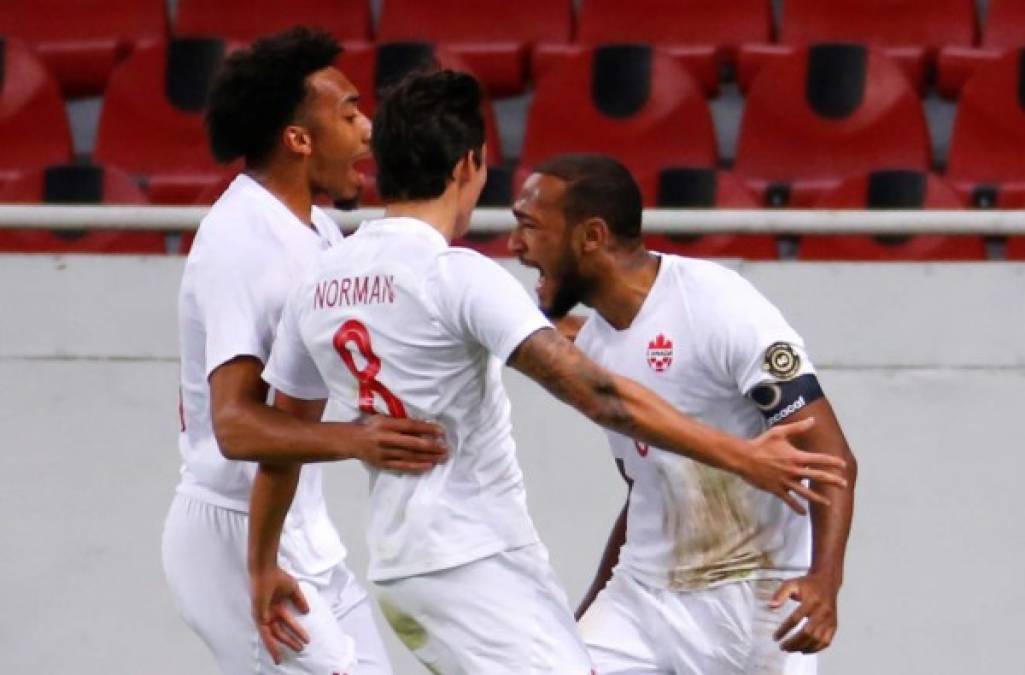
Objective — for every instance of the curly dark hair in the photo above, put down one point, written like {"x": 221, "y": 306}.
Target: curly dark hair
{"x": 258, "y": 90}
{"x": 423, "y": 126}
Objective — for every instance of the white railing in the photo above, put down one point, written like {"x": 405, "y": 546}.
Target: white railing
{"x": 698, "y": 221}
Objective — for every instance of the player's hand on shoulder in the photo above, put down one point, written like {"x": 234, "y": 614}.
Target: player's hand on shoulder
{"x": 400, "y": 444}
{"x": 274, "y": 594}
{"x": 817, "y": 595}
{"x": 776, "y": 465}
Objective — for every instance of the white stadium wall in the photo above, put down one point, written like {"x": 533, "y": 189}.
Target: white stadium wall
{"x": 925, "y": 365}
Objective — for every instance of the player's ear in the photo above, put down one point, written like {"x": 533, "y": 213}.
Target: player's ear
{"x": 468, "y": 166}
{"x": 594, "y": 234}
{"x": 461, "y": 171}
{"x": 297, "y": 139}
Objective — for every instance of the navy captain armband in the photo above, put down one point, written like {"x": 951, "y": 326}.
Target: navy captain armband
{"x": 780, "y": 400}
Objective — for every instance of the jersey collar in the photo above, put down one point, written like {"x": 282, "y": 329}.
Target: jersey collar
{"x": 253, "y": 186}
{"x": 406, "y": 225}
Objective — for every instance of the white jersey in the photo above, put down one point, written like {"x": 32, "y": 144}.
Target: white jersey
{"x": 703, "y": 339}
{"x": 248, "y": 253}
{"x": 395, "y": 321}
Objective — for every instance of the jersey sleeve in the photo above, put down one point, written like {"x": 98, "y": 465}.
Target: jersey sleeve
{"x": 757, "y": 344}
{"x": 479, "y": 301}
{"x": 291, "y": 368}
{"x": 235, "y": 309}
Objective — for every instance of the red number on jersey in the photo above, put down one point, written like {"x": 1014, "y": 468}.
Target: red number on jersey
{"x": 355, "y": 333}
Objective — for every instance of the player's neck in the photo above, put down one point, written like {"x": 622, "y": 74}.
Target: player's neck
{"x": 620, "y": 292}
{"x": 441, "y": 213}
{"x": 290, "y": 189}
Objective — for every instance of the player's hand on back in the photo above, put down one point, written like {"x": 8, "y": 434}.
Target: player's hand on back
{"x": 274, "y": 594}
{"x": 400, "y": 444}
{"x": 776, "y": 465}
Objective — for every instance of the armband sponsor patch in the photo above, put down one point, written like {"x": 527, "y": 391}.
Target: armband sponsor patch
{"x": 780, "y": 400}
{"x": 781, "y": 361}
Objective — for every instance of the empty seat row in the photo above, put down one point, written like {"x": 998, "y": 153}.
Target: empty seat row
{"x": 820, "y": 114}
{"x": 814, "y": 117}
{"x": 151, "y": 123}
{"x": 82, "y": 40}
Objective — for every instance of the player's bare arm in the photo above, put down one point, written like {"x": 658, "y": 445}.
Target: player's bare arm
{"x": 610, "y": 556}
{"x": 817, "y": 591}
{"x": 271, "y": 589}
{"x": 770, "y": 462}
{"x": 247, "y": 429}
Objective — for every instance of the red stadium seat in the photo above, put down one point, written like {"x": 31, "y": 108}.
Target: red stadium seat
{"x": 1004, "y": 30}
{"x": 705, "y": 33}
{"x": 152, "y": 123}
{"x": 704, "y": 188}
{"x": 910, "y": 32}
{"x": 76, "y": 184}
{"x": 82, "y": 40}
{"x": 700, "y": 61}
{"x": 34, "y": 128}
{"x": 894, "y": 189}
{"x": 1015, "y": 248}
{"x": 823, "y": 113}
{"x": 246, "y": 20}
{"x": 987, "y": 148}
{"x": 1005, "y": 24}
{"x": 919, "y": 24}
{"x": 629, "y": 101}
{"x": 494, "y": 36}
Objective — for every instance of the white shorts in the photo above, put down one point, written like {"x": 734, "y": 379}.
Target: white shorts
{"x": 503, "y": 615}
{"x": 204, "y": 554}
{"x": 632, "y": 629}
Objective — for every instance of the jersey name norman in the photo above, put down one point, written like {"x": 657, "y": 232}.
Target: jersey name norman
{"x": 349, "y": 291}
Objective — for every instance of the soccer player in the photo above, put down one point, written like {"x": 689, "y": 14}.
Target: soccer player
{"x": 702, "y": 573}
{"x": 294, "y": 119}
{"x": 394, "y": 320}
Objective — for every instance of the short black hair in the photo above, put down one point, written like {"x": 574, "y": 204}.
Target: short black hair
{"x": 423, "y": 126}
{"x": 258, "y": 91}
{"x": 598, "y": 186}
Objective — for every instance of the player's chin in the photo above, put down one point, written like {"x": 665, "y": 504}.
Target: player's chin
{"x": 558, "y": 300}
{"x": 350, "y": 188}
{"x": 344, "y": 204}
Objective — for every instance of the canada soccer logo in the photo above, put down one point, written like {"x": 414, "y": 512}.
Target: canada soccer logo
{"x": 660, "y": 353}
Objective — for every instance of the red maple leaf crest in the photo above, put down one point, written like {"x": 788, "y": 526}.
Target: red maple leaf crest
{"x": 660, "y": 353}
